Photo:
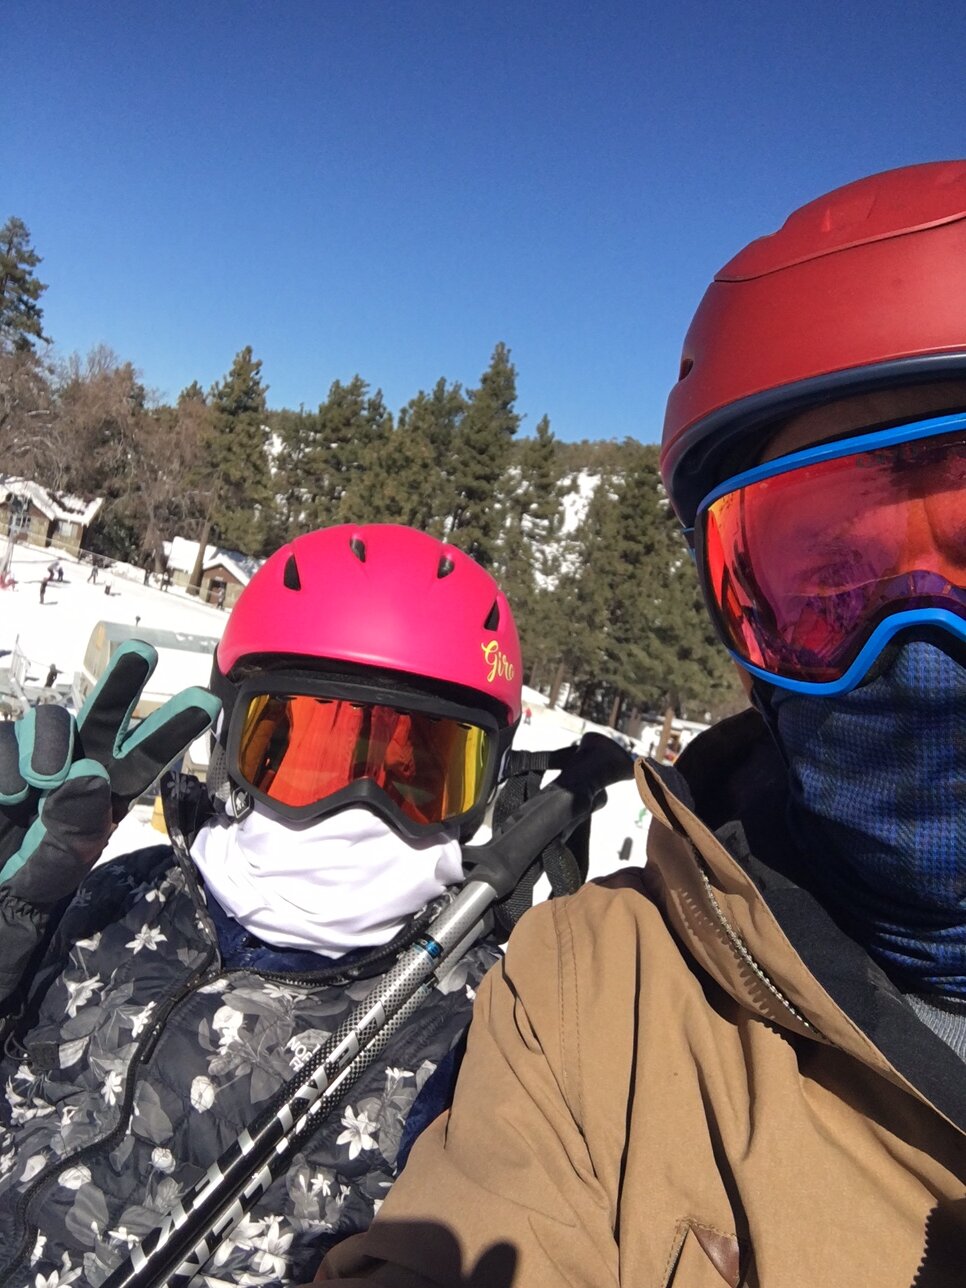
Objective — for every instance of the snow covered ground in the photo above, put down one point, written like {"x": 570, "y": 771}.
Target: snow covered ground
{"x": 57, "y": 632}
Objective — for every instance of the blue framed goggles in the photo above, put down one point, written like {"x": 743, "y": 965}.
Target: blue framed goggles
{"x": 813, "y": 562}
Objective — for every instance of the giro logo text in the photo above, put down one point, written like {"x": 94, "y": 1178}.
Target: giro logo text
{"x": 497, "y": 662}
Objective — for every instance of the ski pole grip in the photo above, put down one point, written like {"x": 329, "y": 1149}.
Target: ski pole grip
{"x": 553, "y": 813}
{"x": 597, "y": 763}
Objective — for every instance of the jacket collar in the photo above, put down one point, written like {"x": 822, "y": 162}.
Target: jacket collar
{"x": 734, "y": 885}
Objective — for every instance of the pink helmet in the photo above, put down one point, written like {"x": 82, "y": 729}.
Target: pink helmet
{"x": 380, "y": 595}
{"x": 378, "y": 601}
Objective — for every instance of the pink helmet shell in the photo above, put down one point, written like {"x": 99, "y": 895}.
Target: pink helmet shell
{"x": 381, "y": 595}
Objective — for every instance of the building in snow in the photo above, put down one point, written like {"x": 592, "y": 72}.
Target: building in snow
{"x": 29, "y": 512}
{"x": 224, "y": 573}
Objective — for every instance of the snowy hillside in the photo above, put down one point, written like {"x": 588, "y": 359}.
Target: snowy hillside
{"x": 580, "y": 490}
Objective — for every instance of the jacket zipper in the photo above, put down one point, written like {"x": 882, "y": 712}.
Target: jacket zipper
{"x": 742, "y": 950}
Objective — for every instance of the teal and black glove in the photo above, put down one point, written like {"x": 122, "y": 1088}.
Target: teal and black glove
{"x": 65, "y": 783}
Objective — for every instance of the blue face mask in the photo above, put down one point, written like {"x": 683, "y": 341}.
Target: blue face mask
{"x": 878, "y": 780}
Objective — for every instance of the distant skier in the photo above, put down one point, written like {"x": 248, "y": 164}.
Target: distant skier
{"x": 43, "y": 586}
{"x": 52, "y": 674}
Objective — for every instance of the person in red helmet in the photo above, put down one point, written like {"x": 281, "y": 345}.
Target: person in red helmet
{"x": 369, "y": 681}
{"x": 744, "y": 1064}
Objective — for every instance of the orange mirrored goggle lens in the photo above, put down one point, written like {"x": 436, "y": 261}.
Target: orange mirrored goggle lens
{"x": 802, "y": 565}
{"x": 298, "y": 750}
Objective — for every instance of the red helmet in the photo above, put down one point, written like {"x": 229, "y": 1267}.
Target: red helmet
{"x": 381, "y": 605}
{"x": 861, "y": 289}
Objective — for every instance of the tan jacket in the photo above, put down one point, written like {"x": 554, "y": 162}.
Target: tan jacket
{"x": 659, "y": 1090}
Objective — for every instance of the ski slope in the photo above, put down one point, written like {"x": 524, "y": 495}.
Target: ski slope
{"x": 57, "y": 632}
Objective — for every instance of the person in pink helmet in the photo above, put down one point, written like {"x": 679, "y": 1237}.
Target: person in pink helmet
{"x": 369, "y": 687}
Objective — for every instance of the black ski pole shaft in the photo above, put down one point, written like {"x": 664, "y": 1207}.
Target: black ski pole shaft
{"x": 553, "y": 812}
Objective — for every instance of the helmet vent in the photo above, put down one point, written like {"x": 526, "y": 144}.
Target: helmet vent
{"x": 445, "y": 567}
{"x": 358, "y": 548}
{"x": 290, "y": 577}
{"x": 686, "y": 365}
{"x": 492, "y": 618}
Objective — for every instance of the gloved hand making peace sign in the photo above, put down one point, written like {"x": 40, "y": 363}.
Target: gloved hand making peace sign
{"x": 65, "y": 783}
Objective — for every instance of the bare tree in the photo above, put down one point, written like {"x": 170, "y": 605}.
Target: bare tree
{"x": 29, "y": 440}
{"x": 167, "y": 492}
{"x": 99, "y": 406}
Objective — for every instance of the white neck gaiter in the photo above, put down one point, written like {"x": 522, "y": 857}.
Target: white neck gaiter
{"x": 331, "y": 885}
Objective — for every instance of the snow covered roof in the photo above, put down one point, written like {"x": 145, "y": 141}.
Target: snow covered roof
{"x": 59, "y": 507}
{"x": 243, "y": 567}
{"x": 182, "y": 553}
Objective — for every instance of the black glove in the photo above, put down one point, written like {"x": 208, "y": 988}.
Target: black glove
{"x": 65, "y": 783}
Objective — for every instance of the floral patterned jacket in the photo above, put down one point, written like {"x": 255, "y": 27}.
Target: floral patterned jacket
{"x": 138, "y": 1058}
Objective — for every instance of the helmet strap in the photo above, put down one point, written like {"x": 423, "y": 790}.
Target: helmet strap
{"x": 221, "y": 791}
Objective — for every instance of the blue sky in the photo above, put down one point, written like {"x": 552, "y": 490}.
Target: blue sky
{"x": 390, "y": 187}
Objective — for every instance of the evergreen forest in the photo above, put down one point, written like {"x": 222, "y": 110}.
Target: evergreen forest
{"x": 604, "y": 592}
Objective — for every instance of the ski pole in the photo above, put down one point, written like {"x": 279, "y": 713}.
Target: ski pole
{"x": 200, "y": 1219}
{"x": 207, "y": 1243}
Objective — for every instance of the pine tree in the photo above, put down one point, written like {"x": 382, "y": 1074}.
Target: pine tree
{"x": 623, "y": 623}
{"x": 637, "y": 662}
{"x": 481, "y": 459}
{"x": 423, "y": 459}
{"x": 659, "y": 648}
{"x": 28, "y": 433}
{"x": 533, "y": 512}
{"x": 367, "y": 469}
{"x": 704, "y": 680}
{"x": 21, "y": 317}
{"x": 330, "y": 446}
{"x": 584, "y": 593}
{"x": 291, "y": 434}
{"x": 401, "y": 482}
{"x": 235, "y": 464}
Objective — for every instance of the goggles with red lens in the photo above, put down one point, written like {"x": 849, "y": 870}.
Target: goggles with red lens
{"x": 812, "y": 562}
{"x": 307, "y": 747}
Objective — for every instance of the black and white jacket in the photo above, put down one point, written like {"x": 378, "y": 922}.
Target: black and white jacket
{"x": 136, "y": 1058}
